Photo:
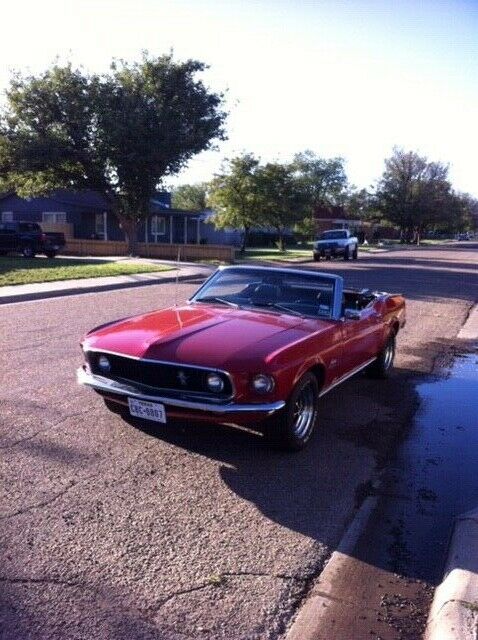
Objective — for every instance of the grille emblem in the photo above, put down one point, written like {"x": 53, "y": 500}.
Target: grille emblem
{"x": 183, "y": 378}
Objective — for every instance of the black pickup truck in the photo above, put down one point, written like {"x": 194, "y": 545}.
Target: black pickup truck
{"x": 28, "y": 239}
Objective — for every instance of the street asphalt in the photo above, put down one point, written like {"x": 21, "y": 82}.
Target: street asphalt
{"x": 112, "y": 530}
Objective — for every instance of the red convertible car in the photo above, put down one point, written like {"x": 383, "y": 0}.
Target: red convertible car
{"x": 254, "y": 346}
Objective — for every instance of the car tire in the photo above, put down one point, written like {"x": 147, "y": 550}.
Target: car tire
{"x": 328, "y": 257}
{"x": 292, "y": 427}
{"x": 355, "y": 253}
{"x": 346, "y": 254}
{"x": 50, "y": 254}
{"x": 316, "y": 257}
{"x": 382, "y": 366}
{"x": 28, "y": 251}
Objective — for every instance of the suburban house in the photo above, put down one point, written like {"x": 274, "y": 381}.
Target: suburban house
{"x": 335, "y": 218}
{"x": 88, "y": 215}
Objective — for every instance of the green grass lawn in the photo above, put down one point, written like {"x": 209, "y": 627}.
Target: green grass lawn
{"x": 17, "y": 270}
{"x": 271, "y": 253}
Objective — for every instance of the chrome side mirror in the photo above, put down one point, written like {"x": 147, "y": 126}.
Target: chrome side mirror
{"x": 352, "y": 314}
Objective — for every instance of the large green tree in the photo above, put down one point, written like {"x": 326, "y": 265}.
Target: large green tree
{"x": 121, "y": 133}
{"x": 233, "y": 194}
{"x": 282, "y": 199}
{"x": 414, "y": 194}
{"x": 190, "y": 197}
{"x": 324, "y": 179}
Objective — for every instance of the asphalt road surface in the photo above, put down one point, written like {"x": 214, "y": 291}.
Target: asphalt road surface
{"x": 109, "y": 530}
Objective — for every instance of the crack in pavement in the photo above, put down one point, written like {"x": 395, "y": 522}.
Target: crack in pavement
{"x": 46, "y": 429}
{"x": 217, "y": 581}
{"x": 55, "y": 581}
{"x": 72, "y": 484}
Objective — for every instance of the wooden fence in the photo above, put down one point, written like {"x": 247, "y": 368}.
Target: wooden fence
{"x": 59, "y": 227}
{"x": 223, "y": 253}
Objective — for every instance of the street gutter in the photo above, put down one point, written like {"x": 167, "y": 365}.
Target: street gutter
{"x": 454, "y": 611}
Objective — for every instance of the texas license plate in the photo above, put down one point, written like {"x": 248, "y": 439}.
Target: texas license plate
{"x": 147, "y": 410}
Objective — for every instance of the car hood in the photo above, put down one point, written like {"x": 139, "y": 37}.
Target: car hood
{"x": 202, "y": 335}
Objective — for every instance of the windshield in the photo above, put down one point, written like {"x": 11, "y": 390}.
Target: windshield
{"x": 281, "y": 291}
{"x": 333, "y": 235}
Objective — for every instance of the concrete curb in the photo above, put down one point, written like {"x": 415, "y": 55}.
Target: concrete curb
{"x": 83, "y": 287}
{"x": 308, "y": 621}
{"x": 454, "y": 611}
{"x": 469, "y": 330}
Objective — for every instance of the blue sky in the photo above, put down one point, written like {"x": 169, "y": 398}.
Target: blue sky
{"x": 345, "y": 78}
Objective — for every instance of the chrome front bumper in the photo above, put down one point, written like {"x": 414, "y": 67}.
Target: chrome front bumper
{"x": 118, "y": 388}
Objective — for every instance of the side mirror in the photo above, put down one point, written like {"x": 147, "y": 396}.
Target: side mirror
{"x": 352, "y": 314}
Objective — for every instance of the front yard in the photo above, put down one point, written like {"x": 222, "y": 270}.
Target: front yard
{"x": 16, "y": 270}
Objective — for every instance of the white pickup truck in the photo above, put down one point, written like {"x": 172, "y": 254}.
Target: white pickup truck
{"x": 336, "y": 242}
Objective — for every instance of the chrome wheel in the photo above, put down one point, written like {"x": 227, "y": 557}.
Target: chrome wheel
{"x": 304, "y": 411}
{"x": 292, "y": 428}
{"x": 388, "y": 355}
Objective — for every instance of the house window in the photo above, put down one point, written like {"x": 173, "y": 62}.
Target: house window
{"x": 7, "y": 216}
{"x": 100, "y": 226}
{"x": 54, "y": 217}
{"x": 158, "y": 227}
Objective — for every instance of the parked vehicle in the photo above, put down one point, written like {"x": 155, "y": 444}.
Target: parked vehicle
{"x": 28, "y": 239}
{"x": 336, "y": 242}
{"x": 254, "y": 346}
{"x": 464, "y": 236}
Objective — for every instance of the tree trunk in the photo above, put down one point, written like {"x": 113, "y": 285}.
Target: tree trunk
{"x": 418, "y": 234}
{"x": 280, "y": 242}
{"x": 244, "y": 240}
{"x": 130, "y": 228}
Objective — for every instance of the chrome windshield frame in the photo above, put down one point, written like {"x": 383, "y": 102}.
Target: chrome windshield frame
{"x": 337, "y": 283}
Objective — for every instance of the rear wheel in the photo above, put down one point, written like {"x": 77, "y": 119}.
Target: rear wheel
{"x": 382, "y": 366}
{"x": 316, "y": 257}
{"x": 292, "y": 427}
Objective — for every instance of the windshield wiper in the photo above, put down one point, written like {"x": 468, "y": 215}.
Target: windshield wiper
{"x": 277, "y": 305}
{"x": 220, "y": 300}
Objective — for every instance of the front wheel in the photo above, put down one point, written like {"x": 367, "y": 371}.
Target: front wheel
{"x": 28, "y": 251}
{"x": 355, "y": 253}
{"x": 50, "y": 254}
{"x": 382, "y": 366}
{"x": 346, "y": 254}
{"x": 293, "y": 426}
{"x": 317, "y": 257}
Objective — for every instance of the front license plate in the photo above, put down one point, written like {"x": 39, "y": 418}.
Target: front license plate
{"x": 147, "y": 410}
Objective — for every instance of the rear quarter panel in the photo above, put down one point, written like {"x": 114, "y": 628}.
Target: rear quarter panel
{"x": 392, "y": 309}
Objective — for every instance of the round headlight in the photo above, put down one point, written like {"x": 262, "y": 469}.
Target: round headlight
{"x": 104, "y": 364}
{"x": 262, "y": 383}
{"x": 214, "y": 382}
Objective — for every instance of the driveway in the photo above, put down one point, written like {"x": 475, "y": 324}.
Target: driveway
{"x": 110, "y": 530}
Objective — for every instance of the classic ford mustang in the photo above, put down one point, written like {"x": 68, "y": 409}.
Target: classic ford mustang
{"x": 254, "y": 346}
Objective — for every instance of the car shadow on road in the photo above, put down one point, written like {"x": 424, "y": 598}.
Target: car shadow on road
{"x": 305, "y": 491}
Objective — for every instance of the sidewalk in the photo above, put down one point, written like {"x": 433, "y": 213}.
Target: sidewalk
{"x": 40, "y": 290}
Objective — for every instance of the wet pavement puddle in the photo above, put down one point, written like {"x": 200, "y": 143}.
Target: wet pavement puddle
{"x": 435, "y": 470}
{"x": 431, "y": 479}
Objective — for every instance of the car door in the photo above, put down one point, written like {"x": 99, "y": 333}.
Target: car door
{"x": 7, "y": 236}
{"x": 361, "y": 338}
